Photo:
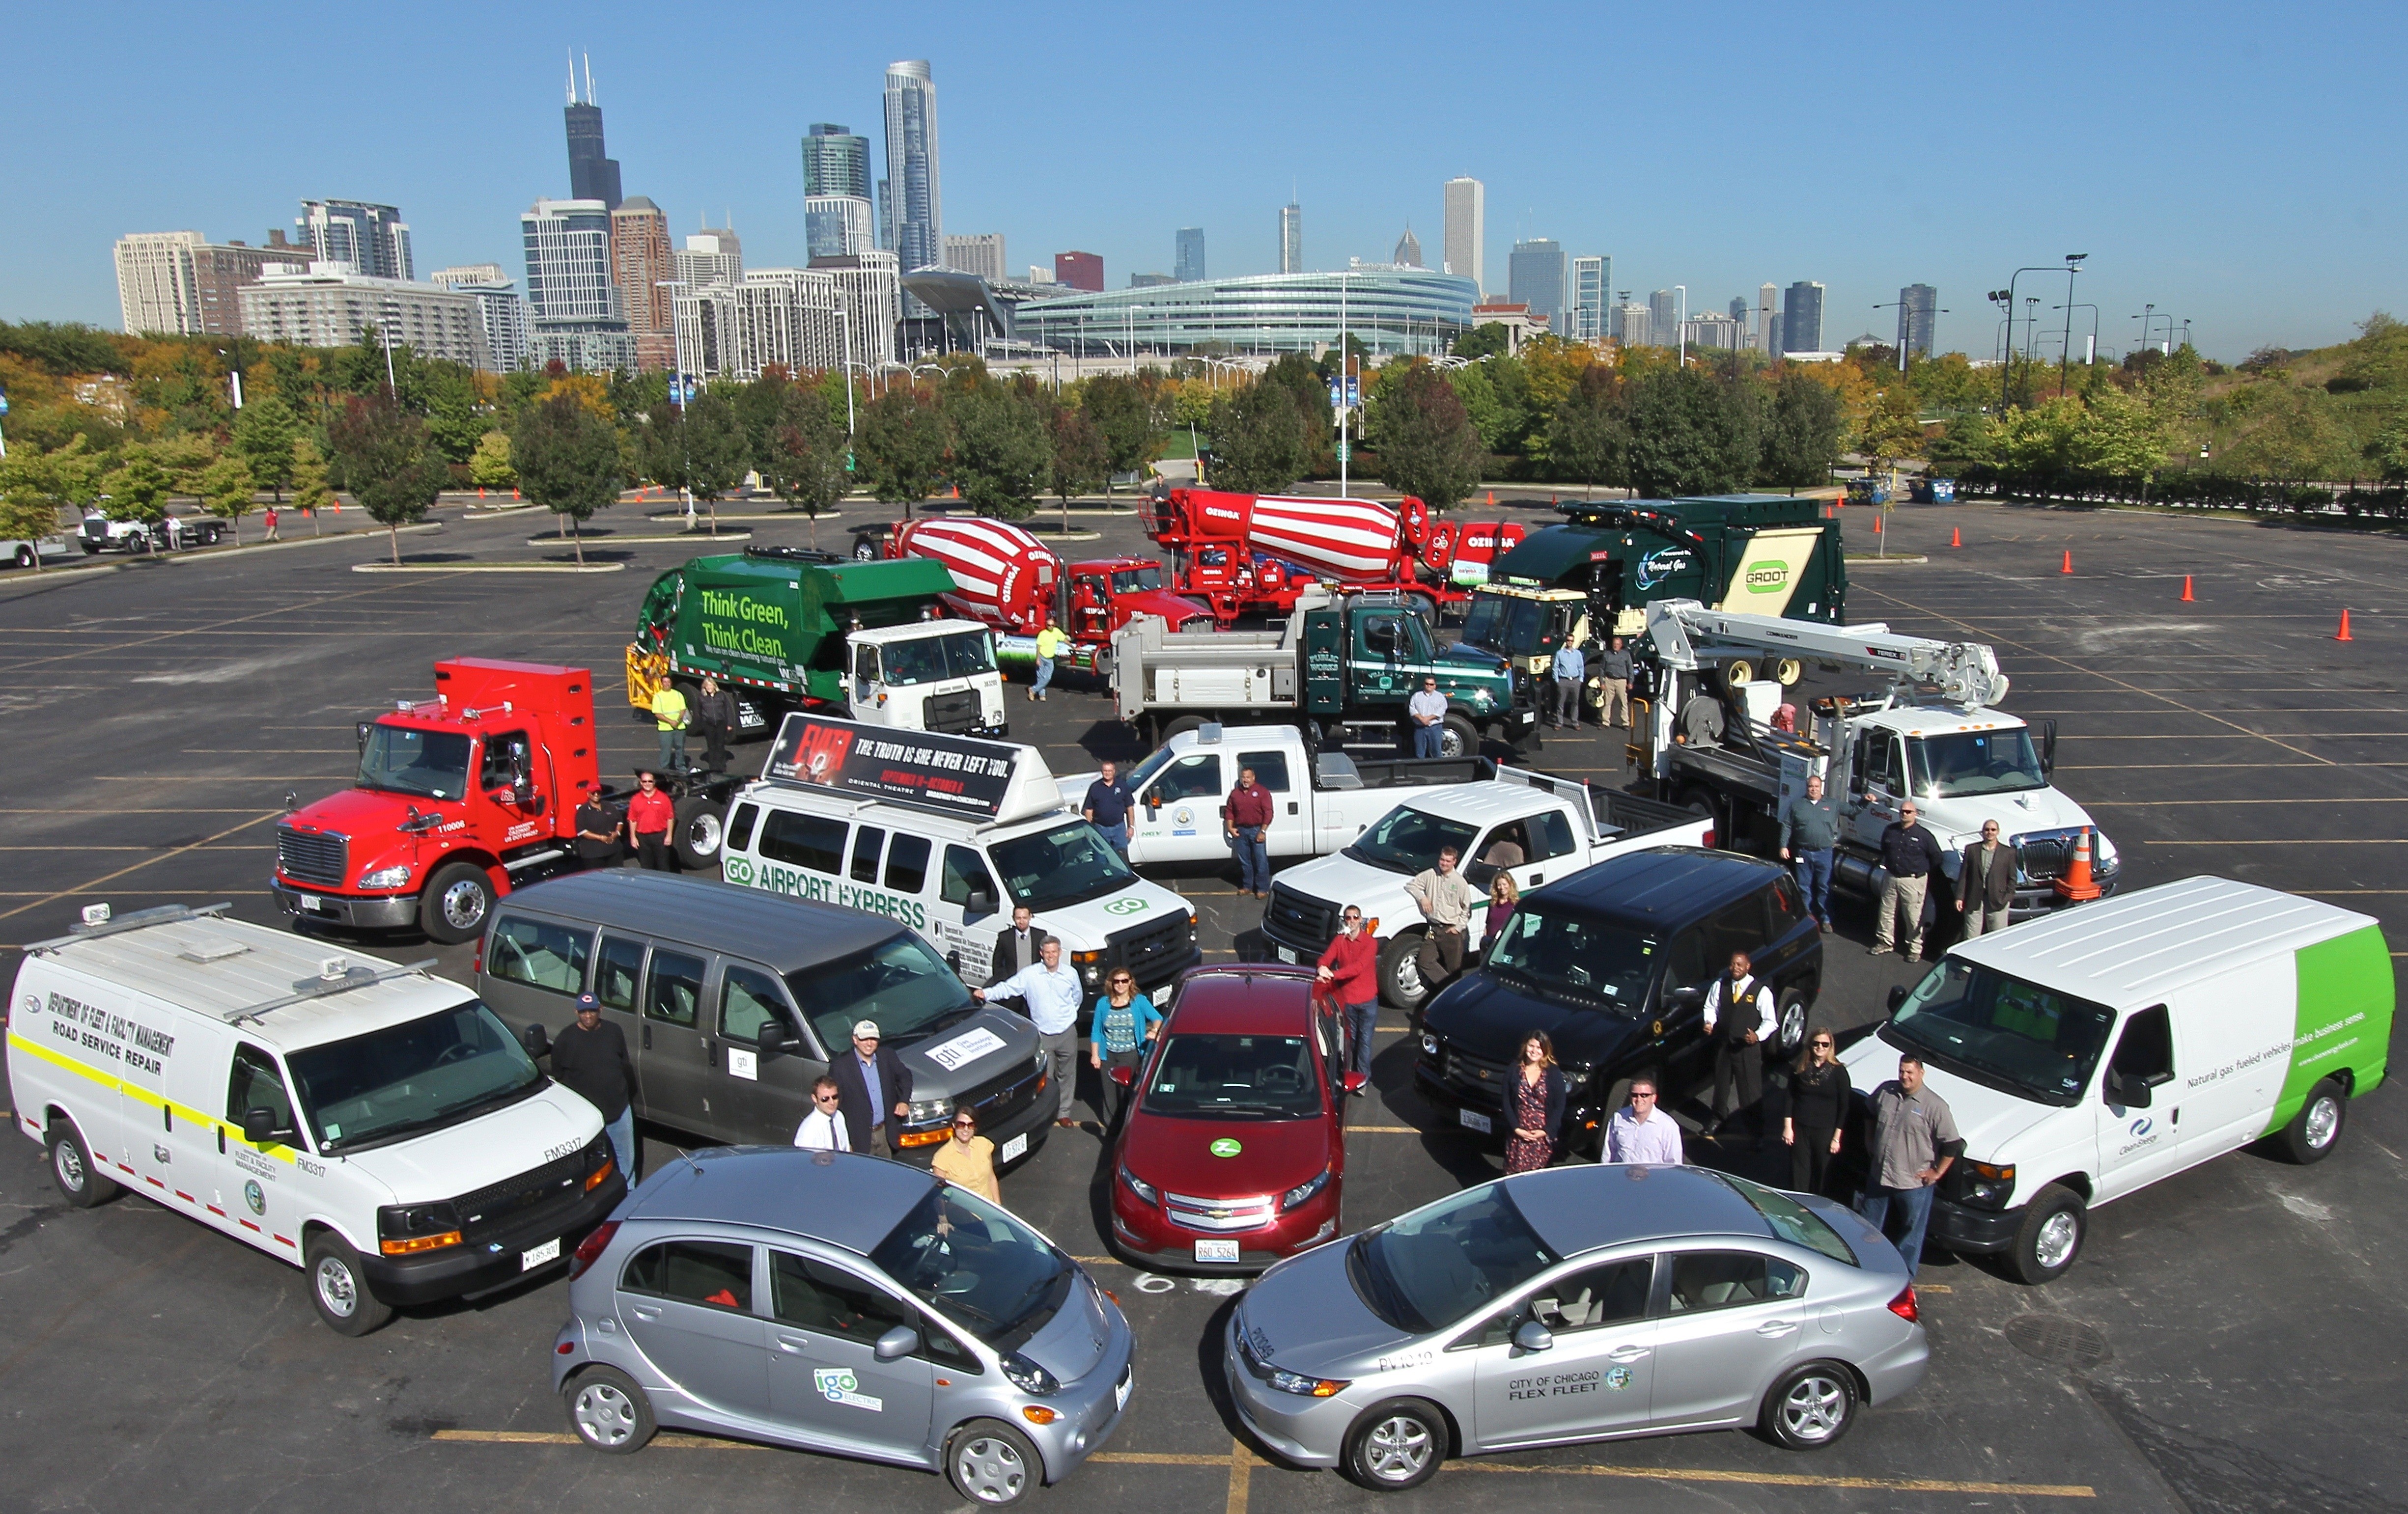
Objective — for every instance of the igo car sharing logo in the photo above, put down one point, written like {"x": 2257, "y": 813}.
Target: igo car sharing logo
{"x": 1767, "y": 578}
{"x": 1127, "y": 906}
{"x": 1662, "y": 564}
{"x": 838, "y": 1385}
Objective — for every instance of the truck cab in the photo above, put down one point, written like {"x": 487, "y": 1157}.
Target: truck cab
{"x": 1099, "y": 596}
{"x": 1526, "y": 624}
{"x": 930, "y": 676}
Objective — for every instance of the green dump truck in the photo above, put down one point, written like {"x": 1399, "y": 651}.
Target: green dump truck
{"x": 785, "y": 629}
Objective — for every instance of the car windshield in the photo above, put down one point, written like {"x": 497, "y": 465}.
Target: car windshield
{"x": 1504, "y": 623}
{"x": 1433, "y": 1266}
{"x": 1407, "y": 840}
{"x": 899, "y": 983}
{"x": 433, "y": 765}
{"x": 934, "y": 659}
{"x": 1132, "y": 580}
{"x": 1154, "y": 763}
{"x": 977, "y": 1265}
{"x": 419, "y": 1076}
{"x": 1234, "y": 1077}
{"x": 1065, "y": 865}
{"x": 1587, "y": 960}
{"x": 1983, "y": 1024}
{"x": 1960, "y": 763}
{"x": 1793, "y": 1221}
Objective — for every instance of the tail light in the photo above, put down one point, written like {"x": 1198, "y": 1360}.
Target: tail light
{"x": 1903, "y": 1306}
{"x": 590, "y": 1249}
{"x": 476, "y": 964}
{"x": 1710, "y": 839}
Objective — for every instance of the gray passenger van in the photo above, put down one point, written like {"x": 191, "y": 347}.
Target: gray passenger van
{"x": 734, "y": 1001}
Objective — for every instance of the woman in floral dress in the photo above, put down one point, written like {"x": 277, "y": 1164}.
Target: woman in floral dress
{"x": 1534, "y": 1101}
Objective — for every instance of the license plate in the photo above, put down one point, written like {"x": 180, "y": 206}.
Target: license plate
{"x": 1528, "y": 716}
{"x": 1216, "y": 1250}
{"x": 1475, "y": 1119}
{"x": 548, "y": 1251}
{"x": 1121, "y": 1390}
{"x": 310, "y": 901}
{"x": 1286, "y": 954}
{"x": 1017, "y": 1148}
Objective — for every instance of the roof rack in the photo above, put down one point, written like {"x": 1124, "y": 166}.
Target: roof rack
{"x": 306, "y": 989}
{"x": 792, "y": 554}
{"x": 139, "y": 920}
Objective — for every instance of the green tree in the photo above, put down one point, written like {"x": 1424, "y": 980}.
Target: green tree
{"x": 1131, "y": 423}
{"x": 138, "y": 489}
{"x": 34, "y": 487}
{"x": 227, "y": 487}
{"x": 1080, "y": 460}
{"x": 804, "y": 464}
{"x": 566, "y": 459}
{"x": 1488, "y": 340}
{"x": 390, "y": 464}
{"x": 1588, "y": 438}
{"x": 489, "y": 466}
{"x": 264, "y": 435}
{"x": 700, "y": 449}
{"x": 310, "y": 491}
{"x": 2388, "y": 450}
{"x": 901, "y": 446}
{"x": 758, "y": 405}
{"x": 1259, "y": 444}
{"x": 1308, "y": 390}
{"x": 1803, "y": 437}
{"x": 1001, "y": 458}
{"x": 1690, "y": 434}
{"x": 1496, "y": 395}
{"x": 1427, "y": 444}
{"x": 1892, "y": 429}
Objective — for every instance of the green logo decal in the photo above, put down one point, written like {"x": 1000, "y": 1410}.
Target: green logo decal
{"x": 737, "y": 869}
{"x": 1225, "y": 1147}
{"x": 1127, "y": 906}
{"x": 1767, "y": 578}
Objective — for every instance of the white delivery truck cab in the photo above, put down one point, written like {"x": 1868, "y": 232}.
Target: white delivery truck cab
{"x": 370, "y": 1124}
{"x": 949, "y": 833}
{"x": 2090, "y": 1053}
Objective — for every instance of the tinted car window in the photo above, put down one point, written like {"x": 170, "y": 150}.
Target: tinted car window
{"x": 1190, "y": 777}
{"x": 1611, "y": 1292}
{"x": 810, "y": 1295}
{"x": 621, "y": 967}
{"x": 1590, "y": 962}
{"x": 257, "y": 1085}
{"x": 1738, "y": 926}
{"x": 506, "y": 756}
{"x": 538, "y": 953}
{"x": 1792, "y": 1221}
{"x": 867, "y": 840}
{"x": 674, "y": 995}
{"x": 1688, "y": 967}
{"x": 1703, "y": 1280}
{"x": 812, "y": 841}
{"x": 1436, "y": 1264}
{"x": 1982, "y": 1022}
{"x": 740, "y": 826}
{"x": 1553, "y": 831}
{"x": 747, "y": 1000}
{"x": 977, "y": 1265}
{"x": 715, "y": 1273}
{"x": 966, "y": 874}
{"x": 1270, "y": 768}
{"x": 1788, "y": 906}
{"x": 1234, "y": 1077}
{"x": 907, "y": 863}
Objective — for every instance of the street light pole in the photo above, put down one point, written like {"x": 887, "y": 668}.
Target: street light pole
{"x": 2007, "y": 367}
{"x": 1681, "y": 328}
{"x": 2073, "y": 266}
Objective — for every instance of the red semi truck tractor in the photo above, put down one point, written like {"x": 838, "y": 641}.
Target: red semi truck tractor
{"x": 1008, "y": 579}
{"x": 462, "y": 798}
{"x": 1253, "y": 554}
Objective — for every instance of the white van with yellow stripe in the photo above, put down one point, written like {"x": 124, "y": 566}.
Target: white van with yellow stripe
{"x": 371, "y": 1123}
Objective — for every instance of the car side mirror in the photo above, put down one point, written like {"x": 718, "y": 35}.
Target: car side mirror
{"x": 1530, "y": 1336}
{"x": 980, "y": 903}
{"x": 1685, "y": 998}
{"x": 773, "y": 1040}
{"x": 1897, "y": 997}
{"x": 259, "y": 1127}
{"x": 900, "y": 1341}
{"x": 537, "y": 1041}
{"x": 2130, "y": 1091}
{"x": 1126, "y": 1076}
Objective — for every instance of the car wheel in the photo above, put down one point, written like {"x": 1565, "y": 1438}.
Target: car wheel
{"x": 700, "y": 829}
{"x": 24, "y": 557}
{"x": 79, "y": 1179}
{"x": 457, "y": 900}
{"x": 1811, "y": 1406}
{"x": 864, "y": 548}
{"x": 1789, "y": 1023}
{"x": 2316, "y": 1130}
{"x": 1399, "y": 1445}
{"x": 2046, "y": 1243}
{"x": 338, "y": 1290}
{"x": 1400, "y": 972}
{"x": 992, "y": 1464}
{"x": 608, "y": 1411}
{"x": 1458, "y": 737}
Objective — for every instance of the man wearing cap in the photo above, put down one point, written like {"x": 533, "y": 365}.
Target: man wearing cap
{"x": 875, "y": 1089}
{"x": 1051, "y": 991}
{"x": 589, "y": 1058}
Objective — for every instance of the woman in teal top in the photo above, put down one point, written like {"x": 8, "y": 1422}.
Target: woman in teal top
{"x": 1118, "y": 1036}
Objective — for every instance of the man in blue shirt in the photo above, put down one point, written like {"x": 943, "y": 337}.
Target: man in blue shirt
{"x": 875, "y": 1089}
{"x": 1051, "y": 991}
{"x": 1107, "y": 808}
{"x": 1571, "y": 671}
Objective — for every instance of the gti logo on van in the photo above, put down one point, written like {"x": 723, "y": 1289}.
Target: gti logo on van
{"x": 1662, "y": 564}
{"x": 1767, "y": 578}
{"x": 1127, "y": 906}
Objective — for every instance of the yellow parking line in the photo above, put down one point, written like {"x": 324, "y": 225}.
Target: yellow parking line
{"x": 1793, "y": 1479}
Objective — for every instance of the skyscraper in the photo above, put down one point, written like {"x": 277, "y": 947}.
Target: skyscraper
{"x": 1409, "y": 251}
{"x": 641, "y": 267}
{"x": 1188, "y": 264}
{"x": 1768, "y": 321}
{"x": 1630, "y": 326}
{"x": 980, "y": 253}
{"x": 836, "y": 209}
{"x": 1591, "y": 290}
{"x": 1918, "y": 318}
{"x": 573, "y": 300}
{"x": 179, "y": 284}
{"x": 592, "y": 176}
{"x": 1080, "y": 270}
{"x": 1663, "y": 318}
{"x": 498, "y": 307}
{"x": 1801, "y": 318}
{"x": 914, "y": 201}
{"x": 1535, "y": 275}
{"x": 1467, "y": 231}
{"x": 710, "y": 257}
{"x": 371, "y": 238}
{"x": 1291, "y": 238}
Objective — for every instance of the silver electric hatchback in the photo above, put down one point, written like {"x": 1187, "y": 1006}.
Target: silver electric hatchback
{"x": 841, "y": 1304}
{"x": 1580, "y": 1303}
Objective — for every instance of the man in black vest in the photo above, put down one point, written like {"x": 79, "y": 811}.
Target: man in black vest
{"x": 1738, "y": 1015}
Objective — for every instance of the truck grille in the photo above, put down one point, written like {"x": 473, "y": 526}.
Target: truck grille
{"x": 518, "y": 1205}
{"x": 953, "y": 714}
{"x": 1148, "y": 952}
{"x": 2046, "y": 854}
{"x": 998, "y": 1099}
{"x": 1294, "y": 920}
{"x": 312, "y": 856}
{"x": 1471, "y": 1079}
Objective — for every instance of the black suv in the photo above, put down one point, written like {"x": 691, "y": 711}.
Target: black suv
{"x": 1613, "y": 964}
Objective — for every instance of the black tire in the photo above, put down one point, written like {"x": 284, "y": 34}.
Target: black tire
{"x": 90, "y": 549}
{"x": 457, "y": 902}
{"x": 2053, "y": 1226}
{"x": 608, "y": 1410}
{"x": 1702, "y": 802}
{"x": 1811, "y": 1407}
{"x": 1400, "y": 973}
{"x": 701, "y": 827}
{"x": 1397, "y": 1445}
{"x": 339, "y": 1287}
{"x": 864, "y": 550}
{"x": 2316, "y": 1130}
{"x": 24, "y": 557}
{"x": 1457, "y": 737}
{"x": 992, "y": 1464}
{"x": 79, "y": 1180}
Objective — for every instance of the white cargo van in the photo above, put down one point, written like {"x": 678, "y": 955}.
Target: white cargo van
{"x": 947, "y": 835}
{"x": 372, "y": 1124}
{"x": 2090, "y": 1053}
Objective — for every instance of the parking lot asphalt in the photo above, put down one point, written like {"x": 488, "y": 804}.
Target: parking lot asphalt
{"x": 2227, "y": 1341}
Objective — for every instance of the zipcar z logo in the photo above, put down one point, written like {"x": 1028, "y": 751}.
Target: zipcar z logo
{"x": 1662, "y": 564}
{"x": 1767, "y": 578}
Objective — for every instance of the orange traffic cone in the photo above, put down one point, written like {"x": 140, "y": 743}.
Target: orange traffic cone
{"x": 2076, "y": 886}
{"x": 2343, "y": 634}
{"x": 1876, "y": 525}
{"x": 2186, "y": 595}
{"x": 1492, "y": 499}
{"x": 514, "y": 493}
{"x": 481, "y": 491}
{"x": 957, "y": 491}
{"x": 2069, "y": 561}
{"x": 1956, "y": 538}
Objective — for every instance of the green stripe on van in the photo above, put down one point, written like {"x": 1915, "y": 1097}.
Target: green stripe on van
{"x": 2343, "y": 1022}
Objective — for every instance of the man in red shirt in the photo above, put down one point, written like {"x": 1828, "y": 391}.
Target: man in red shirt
{"x": 1247, "y": 817}
{"x": 1350, "y": 968}
{"x": 650, "y": 815}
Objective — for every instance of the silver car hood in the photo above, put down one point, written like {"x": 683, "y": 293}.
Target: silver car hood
{"x": 1305, "y": 1316}
{"x": 1077, "y": 1336}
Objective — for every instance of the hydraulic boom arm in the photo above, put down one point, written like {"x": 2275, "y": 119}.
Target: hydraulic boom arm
{"x": 1689, "y": 637}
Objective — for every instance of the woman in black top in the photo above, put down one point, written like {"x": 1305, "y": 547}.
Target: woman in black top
{"x": 1818, "y": 1108}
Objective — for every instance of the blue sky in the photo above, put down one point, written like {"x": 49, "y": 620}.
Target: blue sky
{"x": 2235, "y": 165}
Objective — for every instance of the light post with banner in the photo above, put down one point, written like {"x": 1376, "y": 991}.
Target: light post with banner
{"x": 681, "y": 393}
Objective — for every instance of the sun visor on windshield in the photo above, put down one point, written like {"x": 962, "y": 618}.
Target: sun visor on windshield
{"x": 985, "y": 780}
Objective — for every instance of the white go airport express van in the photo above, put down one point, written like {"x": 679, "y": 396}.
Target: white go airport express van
{"x": 369, "y": 1123}
{"x": 948, "y": 833}
{"x": 2090, "y": 1053}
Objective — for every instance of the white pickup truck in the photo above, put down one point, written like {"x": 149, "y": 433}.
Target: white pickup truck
{"x": 1557, "y": 825}
{"x": 1319, "y": 801}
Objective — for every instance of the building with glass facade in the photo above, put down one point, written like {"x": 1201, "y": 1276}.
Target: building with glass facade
{"x": 1388, "y": 310}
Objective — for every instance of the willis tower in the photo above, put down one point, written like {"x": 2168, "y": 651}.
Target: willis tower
{"x": 592, "y": 176}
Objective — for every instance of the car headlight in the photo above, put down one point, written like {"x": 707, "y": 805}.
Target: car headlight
{"x": 408, "y": 1228}
{"x": 1296, "y": 1383}
{"x": 2103, "y": 849}
{"x": 1027, "y": 1376}
{"x": 385, "y": 877}
{"x": 1430, "y": 1044}
{"x": 1989, "y": 1186}
{"x": 1304, "y": 1191}
{"x": 1141, "y": 1188}
{"x": 1090, "y": 966}
{"x": 927, "y": 1111}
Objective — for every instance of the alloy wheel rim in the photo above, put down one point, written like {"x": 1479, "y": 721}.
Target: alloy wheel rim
{"x": 991, "y": 1469}
{"x": 605, "y": 1416}
{"x": 337, "y": 1289}
{"x": 463, "y": 904}
{"x": 70, "y": 1167}
{"x": 1793, "y": 1026}
{"x": 702, "y": 835}
{"x": 1400, "y": 1448}
{"x": 2058, "y": 1234}
{"x": 2324, "y": 1121}
{"x": 1815, "y": 1409}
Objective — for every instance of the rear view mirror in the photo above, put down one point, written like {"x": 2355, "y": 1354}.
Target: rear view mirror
{"x": 1530, "y": 1336}
{"x": 900, "y": 1341}
{"x": 773, "y": 1039}
{"x": 2047, "y": 748}
{"x": 1685, "y": 998}
{"x": 538, "y": 1044}
{"x": 980, "y": 903}
{"x": 259, "y": 1127}
{"x": 1126, "y": 1076}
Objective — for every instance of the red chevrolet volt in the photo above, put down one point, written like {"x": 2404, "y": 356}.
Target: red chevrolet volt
{"x": 1234, "y": 1147}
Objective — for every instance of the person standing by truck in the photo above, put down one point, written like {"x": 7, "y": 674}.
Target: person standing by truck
{"x": 1571, "y": 672}
{"x": 589, "y": 1058}
{"x": 1050, "y": 992}
{"x": 1915, "y": 1143}
{"x": 1985, "y": 883}
{"x": 669, "y": 718}
{"x": 1050, "y": 643}
{"x": 1350, "y": 968}
{"x": 1738, "y": 1015}
{"x": 1809, "y": 830}
{"x": 1613, "y": 684}
{"x": 1427, "y": 711}
{"x": 1911, "y": 854}
{"x": 1118, "y": 1033}
{"x": 599, "y": 833}
{"x": 1107, "y": 807}
{"x": 1246, "y": 815}
{"x": 715, "y": 716}
{"x": 1444, "y": 900}
{"x": 651, "y": 814}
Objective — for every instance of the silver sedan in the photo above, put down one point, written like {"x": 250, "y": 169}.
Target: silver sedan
{"x": 1582, "y": 1302}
